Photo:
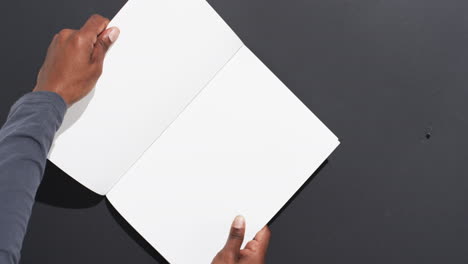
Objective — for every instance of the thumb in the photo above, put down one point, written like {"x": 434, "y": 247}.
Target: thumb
{"x": 236, "y": 237}
{"x": 103, "y": 43}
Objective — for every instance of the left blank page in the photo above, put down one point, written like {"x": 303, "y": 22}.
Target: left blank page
{"x": 245, "y": 145}
{"x": 166, "y": 53}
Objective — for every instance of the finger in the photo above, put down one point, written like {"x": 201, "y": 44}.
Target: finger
{"x": 63, "y": 35}
{"x": 95, "y": 25}
{"x": 103, "y": 44}
{"x": 260, "y": 241}
{"x": 252, "y": 245}
{"x": 263, "y": 238}
{"x": 236, "y": 237}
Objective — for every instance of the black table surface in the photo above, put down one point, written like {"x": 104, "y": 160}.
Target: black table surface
{"x": 389, "y": 77}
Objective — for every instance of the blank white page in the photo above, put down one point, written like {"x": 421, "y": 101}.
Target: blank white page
{"x": 245, "y": 145}
{"x": 168, "y": 50}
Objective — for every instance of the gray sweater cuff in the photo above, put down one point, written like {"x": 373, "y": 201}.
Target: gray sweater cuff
{"x": 43, "y": 98}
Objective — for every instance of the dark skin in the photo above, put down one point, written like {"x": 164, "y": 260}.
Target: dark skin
{"x": 254, "y": 251}
{"x": 71, "y": 69}
{"x": 75, "y": 58}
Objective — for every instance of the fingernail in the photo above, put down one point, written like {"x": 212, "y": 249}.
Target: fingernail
{"x": 113, "y": 34}
{"x": 239, "y": 222}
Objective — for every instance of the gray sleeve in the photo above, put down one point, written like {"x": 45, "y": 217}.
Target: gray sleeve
{"x": 25, "y": 140}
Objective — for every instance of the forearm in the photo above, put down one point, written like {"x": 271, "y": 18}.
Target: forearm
{"x": 25, "y": 140}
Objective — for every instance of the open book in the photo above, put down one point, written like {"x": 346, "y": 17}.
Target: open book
{"x": 186, "y": 129}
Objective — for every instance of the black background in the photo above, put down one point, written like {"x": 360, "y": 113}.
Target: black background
{"x": 389, "y": 77}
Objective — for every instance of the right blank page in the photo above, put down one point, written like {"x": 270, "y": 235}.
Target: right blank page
{"x": 245, "y": 145}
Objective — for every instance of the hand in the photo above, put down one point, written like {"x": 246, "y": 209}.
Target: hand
{"x": 253, "y": 253}
{"x": 74, "y": 59}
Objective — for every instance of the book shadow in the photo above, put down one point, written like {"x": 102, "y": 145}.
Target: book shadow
{"x": 317, "y": 171}
{"x": 131, "y": 232}
{"x": 60, "y": 190}
{"x": 57, "y": 188}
